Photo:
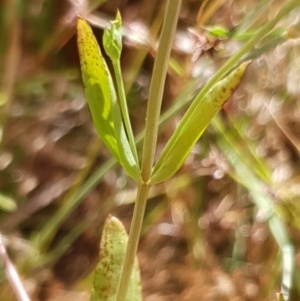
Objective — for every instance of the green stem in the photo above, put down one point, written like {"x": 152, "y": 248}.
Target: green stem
{"x": 152, "y": 122}
{"x": 124, "y": 109}
{"x": 157, "y": 86}
{"x": 135, "y": 231}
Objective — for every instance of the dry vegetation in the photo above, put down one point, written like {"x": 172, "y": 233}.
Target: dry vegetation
{"x": 209, "y": 232}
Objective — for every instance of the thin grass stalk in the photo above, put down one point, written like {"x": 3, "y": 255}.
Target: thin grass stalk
{"x": 244, "y": 174}
{"x": 12, "y": 275}
{"x": 266, "y": 29}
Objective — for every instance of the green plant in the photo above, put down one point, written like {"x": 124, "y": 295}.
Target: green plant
{"x": 111, "y": 116}
{"x": 108, "y": 121}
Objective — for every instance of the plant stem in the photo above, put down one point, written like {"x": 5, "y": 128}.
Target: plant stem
{"x": 135, "y": 230}
{"x": 157, "y": 86}
{"x": 12, "y": 275}
{"x": 124, "y": 109}
{"x": 151, "y": 130}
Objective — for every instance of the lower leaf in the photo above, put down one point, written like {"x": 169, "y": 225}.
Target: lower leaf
{"x": 112, "y": 251}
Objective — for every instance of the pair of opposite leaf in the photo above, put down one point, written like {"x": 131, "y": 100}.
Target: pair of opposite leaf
{"x": 107, "y": 117}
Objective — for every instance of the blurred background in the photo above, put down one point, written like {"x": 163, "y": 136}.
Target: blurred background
{"x": 226, "y": 227}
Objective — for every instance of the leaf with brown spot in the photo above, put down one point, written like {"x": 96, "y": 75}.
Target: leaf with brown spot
{"x": 102, "y": 99}
{"x": 112, "y": 251}
{"x": 193, "y": 124}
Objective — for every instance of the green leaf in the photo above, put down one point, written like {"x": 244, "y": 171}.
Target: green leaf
{"x": 6, "y": 203}
{"x": 217, "y": 31}
{"x": 102, "y": 100}
{"x": 193, "y": 124}
{"x": 112, "y": 251}
{"x": 112, "y": 38}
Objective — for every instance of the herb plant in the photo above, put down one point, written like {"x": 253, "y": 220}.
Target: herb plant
{"x": 110, "y": 115}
